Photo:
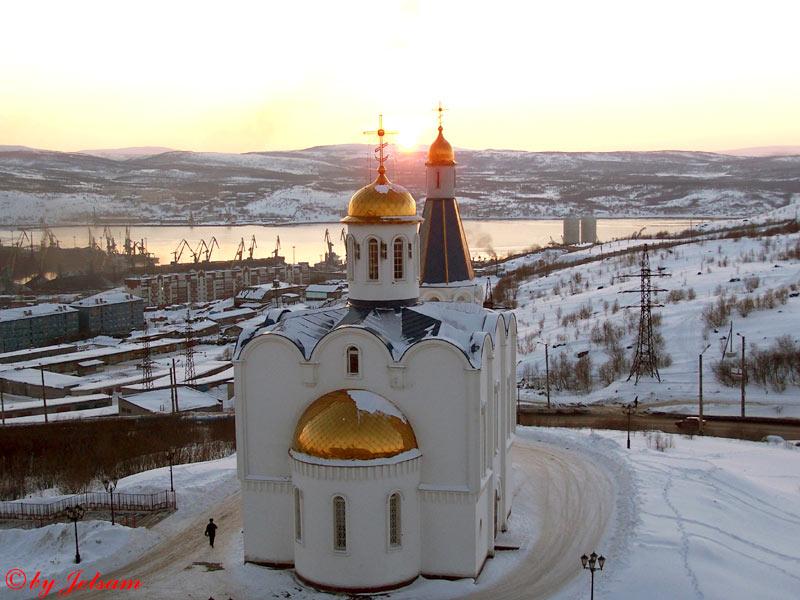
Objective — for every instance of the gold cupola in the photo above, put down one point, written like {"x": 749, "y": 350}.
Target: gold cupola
{"x": 381, "y": 200}
{"x": 353, "y": 425}
{"x": 441, "y": 152}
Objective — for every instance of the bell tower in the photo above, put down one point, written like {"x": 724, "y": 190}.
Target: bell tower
{"x": 446, "y": 264}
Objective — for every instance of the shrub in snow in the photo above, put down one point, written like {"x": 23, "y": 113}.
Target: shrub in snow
{"x": 659, "y": 441}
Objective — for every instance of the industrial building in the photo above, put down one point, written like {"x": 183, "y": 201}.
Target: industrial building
{"x": 38, "y": 325}
{"x": 109, "y": 313}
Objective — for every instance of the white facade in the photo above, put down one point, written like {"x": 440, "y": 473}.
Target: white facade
{"x": 385, "y": 264}
{"x": 458, "y": 291}
{"x": 440, "y": 181}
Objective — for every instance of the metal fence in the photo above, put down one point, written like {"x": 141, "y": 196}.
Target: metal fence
{"x": 123, "y": 502}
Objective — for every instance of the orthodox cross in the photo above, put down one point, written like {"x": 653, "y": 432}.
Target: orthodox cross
{"x": 380, "y": 150}
{"x": 440, "y": 109}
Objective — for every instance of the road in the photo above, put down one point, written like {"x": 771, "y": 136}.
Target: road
{"x": 612, "y": 417}
{"x": 572, "y": 499}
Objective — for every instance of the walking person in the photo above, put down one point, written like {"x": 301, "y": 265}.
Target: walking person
{"x": 211, "y": 532}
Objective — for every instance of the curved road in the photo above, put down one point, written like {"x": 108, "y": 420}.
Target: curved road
{"x": 572, "y": 498}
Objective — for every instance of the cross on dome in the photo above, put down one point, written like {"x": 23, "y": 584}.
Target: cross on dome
{"x": 382, "y": 156}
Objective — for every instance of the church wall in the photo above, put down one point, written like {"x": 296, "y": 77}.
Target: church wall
{"x": 267, "y": 523}
{"x": 440, "y": 181}
{"x": 369, "y": 561}
{"x": 385, "y": 287}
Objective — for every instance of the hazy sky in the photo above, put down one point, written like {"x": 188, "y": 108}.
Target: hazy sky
{"x": 554, "y": 75}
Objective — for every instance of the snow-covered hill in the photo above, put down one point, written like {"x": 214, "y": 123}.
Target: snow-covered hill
{"x": 314, "y": 184}
{"x": 753, "y": 282}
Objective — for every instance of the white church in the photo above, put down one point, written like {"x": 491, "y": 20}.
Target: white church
{"x": 374, "y": 439}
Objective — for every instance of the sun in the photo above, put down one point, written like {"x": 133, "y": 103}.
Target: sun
{"x": 408, "y": 139}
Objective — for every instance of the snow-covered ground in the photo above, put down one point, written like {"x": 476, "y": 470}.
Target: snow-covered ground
{"x": 702, "y": 518}
{"x": 570, "y": 308}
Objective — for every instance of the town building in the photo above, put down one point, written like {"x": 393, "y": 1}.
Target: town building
{"x": 109, "y": 313}
{"x": 37, "y": 325}
{"x": 374, "y": 439}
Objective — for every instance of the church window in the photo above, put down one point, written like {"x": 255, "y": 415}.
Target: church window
{"x": 339, "y": 524}
{"x": 395, "y": 532}
{"x": 298, "y": 515}
{"x": 350, "y": 257}
{"x": 398, "y": 259}
{"x": 353, "y": 361}
{"x": 372, "y": 247}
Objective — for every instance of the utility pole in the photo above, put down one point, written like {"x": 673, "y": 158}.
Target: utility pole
{"x": 174, "y": 387}
{"x": 700, "y": 390}
{"x": 743, "y": 374}
{"x": 547, "y": 373}
{"x": 44, "y": 395}
{"x": 2, "y": 401}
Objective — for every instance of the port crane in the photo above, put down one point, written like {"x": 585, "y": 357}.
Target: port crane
{"x": 252, "y": 247}
{"x": 210, "y": 248}
{"x": 178, "y": 252}
{"x": 239, "y": 251}
{"x": 277, "y": 247}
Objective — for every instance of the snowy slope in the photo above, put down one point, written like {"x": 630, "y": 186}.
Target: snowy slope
{"x": 567, "y": 308}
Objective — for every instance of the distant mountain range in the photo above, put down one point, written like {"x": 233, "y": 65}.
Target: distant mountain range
{"x": 158, "y": 185}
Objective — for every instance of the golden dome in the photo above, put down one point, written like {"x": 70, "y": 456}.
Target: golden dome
{"x": 441, "y": 152}
{"x": 380, "y": 199}
{"x": 353, "y": 425}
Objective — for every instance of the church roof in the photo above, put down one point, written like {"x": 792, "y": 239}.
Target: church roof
{"x": 441, "y": 152}
{"x": 464, "y": 325}
{"x": 444, "y": 252}
{"x": 379, "y": 200}
{"x": 352, "y": 425}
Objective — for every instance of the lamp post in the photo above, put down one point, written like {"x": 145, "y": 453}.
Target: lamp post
{"x": 75, "y": 514}
{"x": 700, "y": 391}
{"x": 743, "y": 371}
{"x": 110, "y": 485}
{"x": 593, "y": 563}
{"x": 170, "y": 454}
{"x": 629, "y": 410}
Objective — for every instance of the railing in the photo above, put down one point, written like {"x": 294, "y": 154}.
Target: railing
{"x": 51, "y": 511}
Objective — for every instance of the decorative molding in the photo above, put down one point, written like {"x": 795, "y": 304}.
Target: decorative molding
{"x": 274, "y": 485}
{"x": 356, "y": 472}
{"x": 309, "y": 372}
{"x": 397, "y": 376}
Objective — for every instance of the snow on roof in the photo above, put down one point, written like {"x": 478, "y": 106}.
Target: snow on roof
{"x": 373, "y": 403}
{"x": 95, "y": 362}
{"x": 229, "y": 314}
{"x": 326, "y": 288}
{"x": 111, "y": 297}
{"x": 338, "y": 462}
{"x": 220, "y": 377}
{"x": 52, "y": 402}
{"x": 34, "y": 376}
{"x": 42, "y": 349}
{"x": 31, "y": 312}
{"x": 211, "y": 367}
{"x": 159, "y": 400}
{"x": 106, "y": 383}
{"x": 257, "y": 292}
{"x": 464, "y": 325}
{"x": 103, "y": 411}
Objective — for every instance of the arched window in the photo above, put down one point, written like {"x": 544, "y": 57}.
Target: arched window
{"x": 438, "y": 179}
{"x": 298, "y": 515}
{"x": 395, "y": 530}
{"x": 351, "y": 257}
{"x": 339, "y": 524}
{"x": 353, "y": 361}
{"x": 399, "y": 270}
{"x": 372, "y": 266}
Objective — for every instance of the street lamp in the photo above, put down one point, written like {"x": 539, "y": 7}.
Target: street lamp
{"x": 75, "y": 514}
{"x": 110, "y": 485}
{"x": 629, "y": 409}
{"x": 171, "y": 455}
{"x": 700, "y": 391}
{"x": 591, "y": 563}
